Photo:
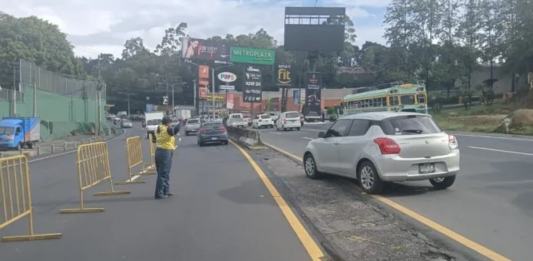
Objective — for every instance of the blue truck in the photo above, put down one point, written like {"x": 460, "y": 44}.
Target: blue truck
{"x": 19, "y": 132}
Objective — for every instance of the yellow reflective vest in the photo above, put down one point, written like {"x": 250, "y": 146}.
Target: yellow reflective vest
{"x": 164, "y": 139}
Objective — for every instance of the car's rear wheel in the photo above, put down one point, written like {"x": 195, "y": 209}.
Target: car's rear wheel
{"x": 369, "y": 178}
{"x": 442, "y": 183}
{"x": 298, "y": 129}
{"x": 310, "y": 167}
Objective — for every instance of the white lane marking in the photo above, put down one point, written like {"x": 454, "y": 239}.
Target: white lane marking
{"x": 135, "y": 177}
{"x": 504, "y": 151}
{"x": 493, "y": 137}
{"x": 307, "y": 138}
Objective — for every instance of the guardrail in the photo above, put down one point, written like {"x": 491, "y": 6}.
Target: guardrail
{"x": 247, "y": 137}
{"x": 15, "y": 197}
{"x": 93, "y": 168}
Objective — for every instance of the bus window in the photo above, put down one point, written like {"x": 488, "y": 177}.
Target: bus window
{"x": 421, "y": 99}
{"x": 408, "y": 99}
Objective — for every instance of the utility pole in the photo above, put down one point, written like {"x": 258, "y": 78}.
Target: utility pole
{"x": 213, "y": 89}
{"x": 173, "y": 98}
{"x": 194, "y": 95}
{"x": 129, "y": 104}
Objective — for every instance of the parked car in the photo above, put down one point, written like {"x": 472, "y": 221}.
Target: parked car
{"x": 289, "y": 120}
{"x": 379, "y": 147}
{"x": 126, "y": 124}
{"x": 212, "y": 132}
{"x": 247, "y": 118}
{"x": 261, "y": 121}
{"x": 192, "y": 126}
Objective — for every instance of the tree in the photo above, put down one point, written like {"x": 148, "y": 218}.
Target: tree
{"x": 35, "y": 40}
{"x": 171, "y": 42}
{"x": 469, "y": 34}
{"x": 133, "y": 47}
{"x": 490, "y": 35}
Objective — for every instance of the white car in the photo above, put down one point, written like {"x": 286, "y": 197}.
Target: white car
{"x": 262, "y": 121}
{"x": 378, "y": 147}
{"x": 236, "y": 120}
{"x": 192, "y": 126}
{"x": 289, "y": 120}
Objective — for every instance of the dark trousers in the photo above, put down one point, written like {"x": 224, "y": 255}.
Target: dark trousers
{"x": 163, "y": 163}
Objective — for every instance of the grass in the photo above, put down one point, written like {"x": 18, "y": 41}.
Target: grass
{"x": 479, "y": 118}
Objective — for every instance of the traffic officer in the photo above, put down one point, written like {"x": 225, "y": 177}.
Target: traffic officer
{"x": 166, "y": 144}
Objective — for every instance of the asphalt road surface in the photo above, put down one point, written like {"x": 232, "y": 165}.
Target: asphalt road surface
{"x": 220, "y": 211}
{"x": 490, "y": 202}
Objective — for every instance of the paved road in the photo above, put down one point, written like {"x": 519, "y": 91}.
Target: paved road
{"x": 491, "y": 201}
{"x": 221, "y": 211}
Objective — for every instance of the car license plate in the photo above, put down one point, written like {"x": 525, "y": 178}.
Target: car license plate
{"x": 214, "y": 138}
{"x": 426, "y": 168}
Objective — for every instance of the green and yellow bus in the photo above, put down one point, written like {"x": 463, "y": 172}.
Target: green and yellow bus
{"x": 403, "y": 97}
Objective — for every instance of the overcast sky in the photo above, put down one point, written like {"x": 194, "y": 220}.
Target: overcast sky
{"x": 102, "y": 26}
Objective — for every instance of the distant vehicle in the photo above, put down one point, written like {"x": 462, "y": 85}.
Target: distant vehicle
{"x": 183, "y": 114}
{"x": 247, "y": 118}
{"x": 212, "y": 133}
{"x": 122, "y": 114}
{"x": 152, "y": 120}
{"x": 261, "y": 121}
{"x": 126, "y": 124}
{"x": 19, "y": 132}
{"x": 192, "y": 126}
{"x": 110, "y": 117}
{"x": 288, "y": 121}
{"x": 274, "y": 115}
{"x": 236, "y": 120}
{"x": 404, "y": 97}
{"x": 383, "y": 147}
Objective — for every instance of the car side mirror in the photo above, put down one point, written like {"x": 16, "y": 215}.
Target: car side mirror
{"x": 322, "y": 134}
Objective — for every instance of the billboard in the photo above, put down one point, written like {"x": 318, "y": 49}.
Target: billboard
{"x": 230, "y": 101}
{"x": 314, "y": 28}
{"x": 203, "y": 50}
{"x": 313, "y": 95}
{"x": 284, "y": 78}
{"x": 227, "y": 79}
{"x": 252, "y": 91}
{"x": 203, "y": 81}
{"x": 252, "y": 55}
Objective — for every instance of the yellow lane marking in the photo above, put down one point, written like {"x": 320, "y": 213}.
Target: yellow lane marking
{"x": 424, "y": 220}
{"x": 305, "y": 238}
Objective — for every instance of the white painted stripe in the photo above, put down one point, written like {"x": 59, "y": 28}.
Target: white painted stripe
{"x": 504, "y": 151}
{"x": 135, "y": 177}
{"x": 493, "y": 137}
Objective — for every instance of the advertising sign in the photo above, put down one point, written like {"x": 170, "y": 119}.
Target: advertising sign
{"x": 203, "y": 82}
{"x": 252, "y": 55}
{"x": 199, "y": 49}
{"x": 226, "y": 81}
{"x": 252, "y": 85}
{"x": 313, "y": 95}
{"x": 296, "y": 96}
{"x": 229, "y": 102}
{"x": 284, "y": 75}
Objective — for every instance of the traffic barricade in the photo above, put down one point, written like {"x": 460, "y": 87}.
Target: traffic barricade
{"x": 135, "y": 161}
{"x": 93, "y": 168}
{"x": 150, "y": 167}
{"x": 15, "y": 197}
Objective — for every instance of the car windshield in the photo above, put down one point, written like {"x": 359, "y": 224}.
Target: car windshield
{"x": 264, "y": 117}
{"x": 192, "y": 122}
{"x": 153, "y": 122}
{"x": 236, "y": 116}
{"x": 292, "y": 115}
{"x": 7, "y": 130}
{"x": 408, "y": 125}
{"x": 212, "y": 125}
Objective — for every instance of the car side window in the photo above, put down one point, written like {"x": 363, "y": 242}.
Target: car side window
{"x": 359, "y": 127}
{"x": 340, "y": 128}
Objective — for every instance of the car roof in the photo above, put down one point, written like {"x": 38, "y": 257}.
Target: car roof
{"x": 378, "y": 116}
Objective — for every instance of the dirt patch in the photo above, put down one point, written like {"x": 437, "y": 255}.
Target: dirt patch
{"x": 523, "y": 117}
{"x": 348, "y": 224}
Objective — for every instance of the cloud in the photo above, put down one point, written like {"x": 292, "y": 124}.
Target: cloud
{"x": 102, "y": 26}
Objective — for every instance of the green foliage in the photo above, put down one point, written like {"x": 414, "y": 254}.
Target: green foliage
{"x": 35, "y": 40}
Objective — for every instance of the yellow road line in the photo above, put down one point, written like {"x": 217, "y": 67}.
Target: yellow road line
{"x": 424, "y": 220}
{"x": 305, "y": 238}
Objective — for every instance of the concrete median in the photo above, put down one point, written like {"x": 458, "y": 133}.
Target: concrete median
{"x": 246, "y": 137}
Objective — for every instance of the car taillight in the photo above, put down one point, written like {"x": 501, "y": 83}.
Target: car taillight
{"x": 387, "y": 146}
{"x": 452, "y": 142}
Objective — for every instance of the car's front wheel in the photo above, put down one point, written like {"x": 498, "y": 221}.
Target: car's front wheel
{"x": 369, "y": 178}
{"x": 442, "y": 183}
{"x": 310, "y": 167}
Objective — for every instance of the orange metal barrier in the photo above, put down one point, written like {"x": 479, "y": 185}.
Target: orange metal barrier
{"x": 93, "y": 168}
{"x": 15, "y": 197}
{"x": 135, "y": 161}
{"x": 150, "y": 167}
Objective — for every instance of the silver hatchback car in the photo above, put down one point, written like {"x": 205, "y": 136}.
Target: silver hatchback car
{"x": 384, "y": 146}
